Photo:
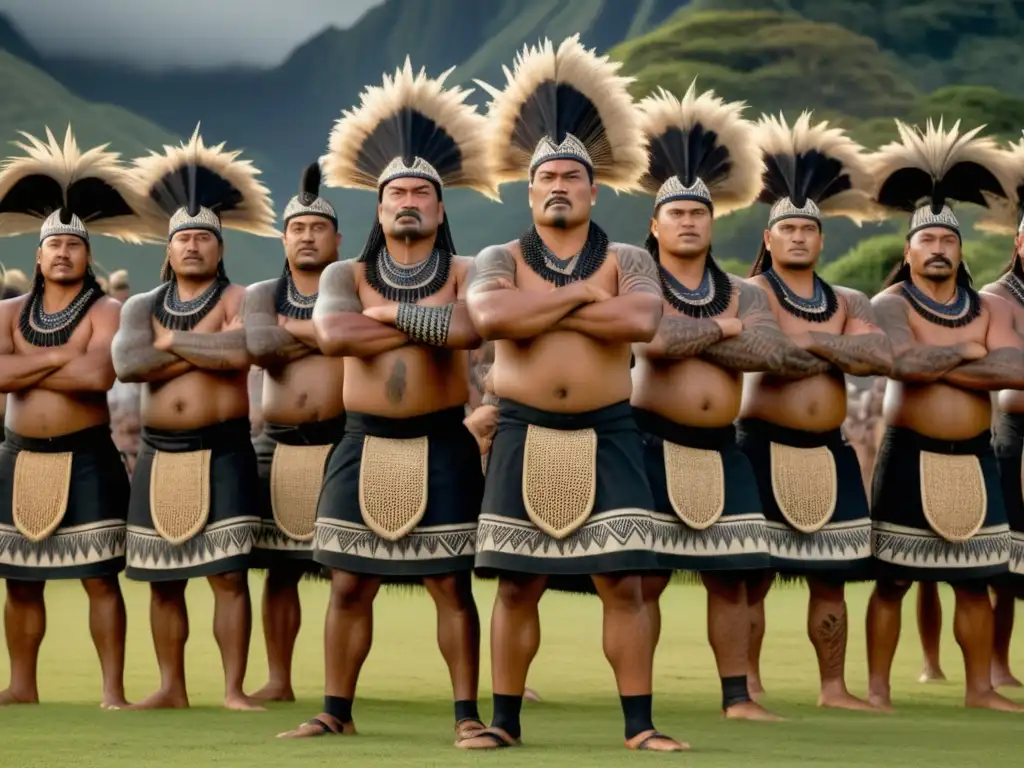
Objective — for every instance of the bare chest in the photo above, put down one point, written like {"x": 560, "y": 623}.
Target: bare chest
{"x": 606, "y": 277}
{"x": 935, "y": 335}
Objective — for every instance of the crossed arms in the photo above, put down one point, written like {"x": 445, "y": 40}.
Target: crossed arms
{"x": 501, "y": 311}
{"x": 998, "y": 364}
{"x": 140, "y": 354}
{"x": 65, "y": 368}
{"x": 344, "y": 328}
{"x": 271, "y": 343}
{"x": 862, "y": 349}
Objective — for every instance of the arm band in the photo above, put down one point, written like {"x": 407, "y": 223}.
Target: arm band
{"x": 427, "y": 325}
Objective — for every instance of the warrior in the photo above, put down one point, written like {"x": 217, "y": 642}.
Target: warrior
{"x": 303, "y": 418}
{"x": 811, "y": 488}
{"x": 705, "y": 163}
{"x": 194, "y": 508}
{"x": 13, "y": 283}
{"x": 938, "y": 512}
{"x": 401, "y": 492}
{"x": 567, "y": 503}
{"x": 63, "y": 488}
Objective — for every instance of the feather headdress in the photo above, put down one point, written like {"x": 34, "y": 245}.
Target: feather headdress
{"x": 410, "y": 126}
{"x": 812, "y": 171}
{"x": 1005, "y": 213}
{"x": 193, "y": 186}
{"x": 701, "y": 149}
{"x": 308, "y": 201}
{"x": 68, "y": 191}
{"x": 571, "y": 104}
{"x": 925, "y": 170}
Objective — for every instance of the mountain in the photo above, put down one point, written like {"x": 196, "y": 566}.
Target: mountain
{"x": 858, "y": 64}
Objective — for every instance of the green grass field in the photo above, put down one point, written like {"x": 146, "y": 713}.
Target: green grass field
{"x": 404, "y": 713}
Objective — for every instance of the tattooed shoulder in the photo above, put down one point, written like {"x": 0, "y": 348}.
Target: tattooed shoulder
{"x": 138, "y": 309}
{"x": 494, "y": 268}
{"x": 857, "y": 305}
{"x": 892, "y": 315}
{"x": 638, "y": 272}
{"x": 338, "y": 291}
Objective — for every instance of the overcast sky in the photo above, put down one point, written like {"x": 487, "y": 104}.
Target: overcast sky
{"x": 162, "y": 33}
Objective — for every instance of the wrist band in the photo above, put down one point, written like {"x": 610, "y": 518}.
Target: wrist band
{"x": 427, "y": 325}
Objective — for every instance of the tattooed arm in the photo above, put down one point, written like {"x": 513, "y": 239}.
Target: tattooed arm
{"x": 913, "y": 362}
{"x": 21, "y": 371}
{"x": 680, "y": 336}
{"x": 761, "y": 346}
{"x": 1003, "y": 366}
{"x": 222, "y": 350}
{"x": 270, "y": 345}
{"x": 499, "y": 310}
{"x": 342, "y": 330}
{"x": 135, "y": 358}
{"x": 446, "y": 325}
{"x": 93, "y": 370}
{"x": 862, "y": 349}
{"x": 631, "y": 316}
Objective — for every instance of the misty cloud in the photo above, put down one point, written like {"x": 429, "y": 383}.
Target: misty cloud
{"x": 157, "y": 34}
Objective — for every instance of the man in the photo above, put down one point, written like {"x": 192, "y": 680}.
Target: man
{"x": 567, "y": 503}
{"x": 401, "y": 493}
{"x": 708, "y": 515}
{"x": 13, "y": 283}
{"x": 809, "y": 478}
{"x": 194, "y": 508}
{"x": 63, "y": 488}
{"x": 303, "y": 418}
{"x": 119, "y": 286}
{"x": 937, "y": 506}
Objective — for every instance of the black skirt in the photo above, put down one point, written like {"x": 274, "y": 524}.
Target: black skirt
{"x": 89, "y": 542}
{"x": 1008, "y": 444}
{"x": 840, "y": 549}
{"x": 442, "y": 538}
{"x": 225, "y": 542}
{"x": 616, "y": 536}
{"x": 738, "y": 540}
{"x": 904, "y": 543}
{"x": 273, "y": 545}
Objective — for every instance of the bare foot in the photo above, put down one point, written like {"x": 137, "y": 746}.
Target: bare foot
{"x": 10, "y": 697}
{"x": 754, "y": 687}
{"x": 239, "y": 702}
{"x": 881, "y": 702}
{"x": 750, "y": 710}
{"x": 274, "y": 692}
{"x": 489, "y": 738}
{"x": 163, "y": 700}
{"x": 932, "y": 675}
{"x": 844, "y": 700}
{"x": 114, "y": 701}
{"x": 531, "y": 695}
{"x": 653, "y": 741}
{"x": 321, "y": 725}
{"x": 992, "y": 700}
{"x": 1003, "y": 678}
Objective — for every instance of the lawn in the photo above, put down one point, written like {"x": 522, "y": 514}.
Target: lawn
{"x": 404, "y": 713}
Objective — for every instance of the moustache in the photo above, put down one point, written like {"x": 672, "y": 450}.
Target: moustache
{"x": 556, "y": 201}
{"x": 411, "y": 213}
{"x": 939, "y": 260}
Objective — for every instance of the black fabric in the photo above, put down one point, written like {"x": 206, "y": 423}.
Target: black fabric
{"x": 840, "y": 549}
{"x": 273, "y": 546}
{"x": 444, "y": 540}
{"x": 506, "y": 714}
{"x": 225, "y": 543}
{"x": 339, "y": 708}
{"x": 903, "y": 542}
{"x": 90, "y": 540}
{"x": 638, "y": 712}
{"x": 739, "y": 540}
{"x": 734, "y": 691}
{"x": 617, "y": 537}
{"x": 1008, "y": 445}
{"x": 466, "y": 710}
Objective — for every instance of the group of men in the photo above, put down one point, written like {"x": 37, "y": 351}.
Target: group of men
{"x": 646, "y": 413}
